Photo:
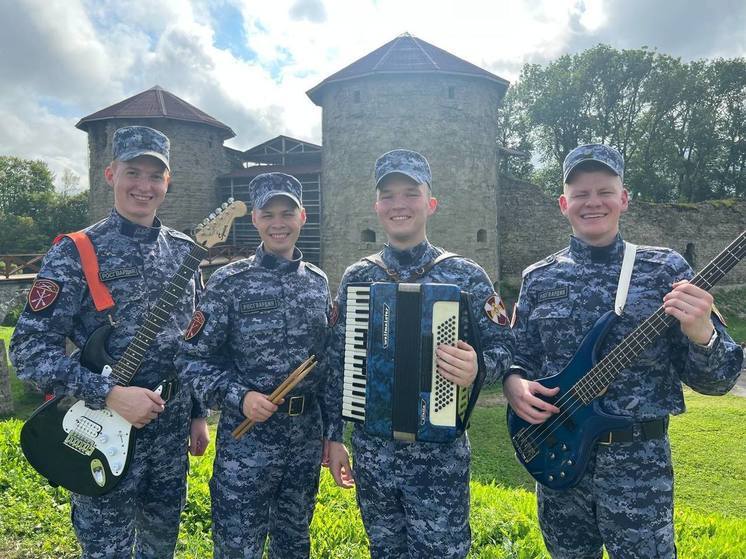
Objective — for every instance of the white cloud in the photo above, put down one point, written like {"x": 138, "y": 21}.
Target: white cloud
{"x": 63, "y": 59}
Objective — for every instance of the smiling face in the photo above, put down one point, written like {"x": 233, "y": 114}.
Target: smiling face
{"x": 593, "y": 203}
{"x": 140, "y": 186}
{"x": 279, "y": 223}
{"x": 402, "y": 208}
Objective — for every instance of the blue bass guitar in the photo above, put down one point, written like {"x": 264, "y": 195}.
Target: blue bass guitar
{"x": 556, "y": 452}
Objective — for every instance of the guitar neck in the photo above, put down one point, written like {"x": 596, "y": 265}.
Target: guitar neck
{"x": 595, "y": 382}
{"x": 127, "y": 366}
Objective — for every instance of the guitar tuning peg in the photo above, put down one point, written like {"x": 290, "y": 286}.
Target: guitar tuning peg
{"x": 212, "y": 216}
{"x": 224, "y": 205}
{"x": 230, "y": 200}
{"x": 218, "y": 210}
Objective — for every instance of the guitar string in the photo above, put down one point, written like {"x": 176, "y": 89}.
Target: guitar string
{"x": 550, "y": 428}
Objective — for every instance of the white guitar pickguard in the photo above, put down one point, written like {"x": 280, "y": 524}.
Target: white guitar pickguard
{"x": 104, "y": 430}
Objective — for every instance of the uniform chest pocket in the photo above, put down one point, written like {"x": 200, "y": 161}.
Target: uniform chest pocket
{"x": 258, "y": 322}
{"x": 555, "y": 326}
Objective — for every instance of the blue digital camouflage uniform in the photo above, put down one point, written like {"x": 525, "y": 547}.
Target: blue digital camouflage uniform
{"x": 260, "y": 318}
{"x": 414, "y": 496}
{"x": 135, "y": 263}
{"x": 625, "y": 499}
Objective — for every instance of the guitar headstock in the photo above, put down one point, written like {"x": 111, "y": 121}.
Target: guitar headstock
{"x": 215, "y": 228}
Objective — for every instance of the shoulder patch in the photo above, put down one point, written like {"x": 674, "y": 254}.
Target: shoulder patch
{"x": 199, "y": 319}
{"x": 179, "y": 235}
{"x": 494, "y": 309}
{"x": 551, "y": 259}
{"x": 43, "y": 294}
{"x": 316, "y": 270}
{"x": 333, "y": 315}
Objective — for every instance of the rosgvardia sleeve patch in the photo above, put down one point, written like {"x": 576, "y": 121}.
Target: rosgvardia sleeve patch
{"x": 199, "y": 319}
{"x": 43, "y": 295}
{"x": 494, "y": 309}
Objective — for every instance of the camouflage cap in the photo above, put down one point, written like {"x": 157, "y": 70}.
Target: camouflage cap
{"x": 404, "y": 162}
{"x": 605, "y": 155}
{"x": 133, "y": 141}
{"x": 266, "y": 186}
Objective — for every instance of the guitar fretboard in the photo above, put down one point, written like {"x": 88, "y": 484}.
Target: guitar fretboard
{"x": 127, "y": 366}
{"x": 595, "y": 381}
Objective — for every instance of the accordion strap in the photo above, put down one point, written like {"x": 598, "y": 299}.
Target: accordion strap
{"x": 377, "y": 259}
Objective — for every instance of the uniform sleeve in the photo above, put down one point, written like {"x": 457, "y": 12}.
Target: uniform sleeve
{"x": 493, "y": 325}
{"x": 324, "y": 363}
{"x": 528, "y": 358}
{"x": 333, "y": 390}
{"x": 37, "y": 348}
{"x": 200, "y": 359}
{"x": 715, "y": 370}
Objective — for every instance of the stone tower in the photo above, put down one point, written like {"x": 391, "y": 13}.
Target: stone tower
{"x": 409, "y": 94}
{"x": 198, "y": 156}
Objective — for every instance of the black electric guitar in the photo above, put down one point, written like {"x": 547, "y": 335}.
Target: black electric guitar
{"x": 88, "y": 451}
{"x": 556, "y": 452}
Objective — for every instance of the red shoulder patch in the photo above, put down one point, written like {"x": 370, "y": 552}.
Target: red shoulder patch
{"x": 333, "y": 315}
{"x": 43, "y": 294}
{"x": 494, "y": 309}
{"x": 195, "y": 326}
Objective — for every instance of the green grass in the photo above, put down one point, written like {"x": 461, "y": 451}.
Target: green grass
{"x": 709, "y": 457}
{"x": 25, "y": 400}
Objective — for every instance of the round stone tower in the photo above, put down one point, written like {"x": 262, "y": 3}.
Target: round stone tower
{"x": 198, "y": 156}
{"x": 409, "y": 94}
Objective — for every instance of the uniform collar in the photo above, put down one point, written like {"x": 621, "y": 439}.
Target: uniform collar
{"x": 411, "y": 258}
{"x": 274, "y": 262}
{"x": 597, "y": 255}
{"x": 134, "y": 230}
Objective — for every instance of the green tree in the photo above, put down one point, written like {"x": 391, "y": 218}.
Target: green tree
{"x": 681, "y": 127}
{"x": 31, "y": 212}
{"x": 25, "y": 186}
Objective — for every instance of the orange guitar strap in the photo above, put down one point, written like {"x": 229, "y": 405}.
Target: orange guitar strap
{"x": 99, "y": 292}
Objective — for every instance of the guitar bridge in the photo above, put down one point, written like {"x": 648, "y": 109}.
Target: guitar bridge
{"x": 80, "y": 443}
{"x": 527, "y": 450}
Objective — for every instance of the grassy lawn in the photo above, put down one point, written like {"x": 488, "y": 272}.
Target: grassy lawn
{"x": 24, "y": 400}
{"x": 707, "y": 443}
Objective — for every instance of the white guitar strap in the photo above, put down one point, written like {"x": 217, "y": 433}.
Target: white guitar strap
{"x": 624, "y": 277}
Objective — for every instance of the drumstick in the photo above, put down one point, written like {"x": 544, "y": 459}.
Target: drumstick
{"x": 247, "y": 424}
{"x": 279, "y": 393}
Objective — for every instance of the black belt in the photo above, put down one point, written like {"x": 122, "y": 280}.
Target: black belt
{"x": 646, "y": 430}
{"x": 297, "y": 404}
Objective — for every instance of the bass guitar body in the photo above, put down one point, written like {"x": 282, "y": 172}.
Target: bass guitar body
{"x": 557, "y": 451}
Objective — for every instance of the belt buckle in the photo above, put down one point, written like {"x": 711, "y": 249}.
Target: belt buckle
{"x": 609, "y": 439}
{"x": 291, "y": 405}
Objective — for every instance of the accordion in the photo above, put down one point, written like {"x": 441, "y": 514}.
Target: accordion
{"x": 391, "y": 382}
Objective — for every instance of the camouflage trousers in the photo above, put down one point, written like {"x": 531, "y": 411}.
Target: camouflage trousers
{"x": 624, "y": 502}
{"x": 141, "y": 513}
{"x": 413, "y": 497}
{"x": 265, "y": 484}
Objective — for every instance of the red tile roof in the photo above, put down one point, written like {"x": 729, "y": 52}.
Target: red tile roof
{"x": 405, "y": 54}
{"x": 156, "y": 102}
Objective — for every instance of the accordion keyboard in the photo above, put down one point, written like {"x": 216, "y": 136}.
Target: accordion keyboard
{"x": 356, "y": 337}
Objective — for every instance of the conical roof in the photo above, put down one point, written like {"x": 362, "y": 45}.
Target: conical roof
{"x": 405, "y": 54}
{"x": 155, "y": 102}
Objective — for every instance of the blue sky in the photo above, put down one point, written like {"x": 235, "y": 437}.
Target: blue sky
{"x": 248, "y": 63}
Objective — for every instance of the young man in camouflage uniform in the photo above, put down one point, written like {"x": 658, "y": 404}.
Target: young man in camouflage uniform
{"x": 414, "y": 496}
{"x": 258, "y": 320}
{"x": 137, "y": 256}
{"x": 625, "y": 499}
